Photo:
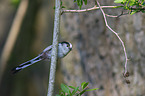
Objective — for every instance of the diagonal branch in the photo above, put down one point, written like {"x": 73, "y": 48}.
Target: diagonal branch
{"x": 125, "y": 66}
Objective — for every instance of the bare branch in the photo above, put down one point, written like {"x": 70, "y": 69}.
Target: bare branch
{"x": 94, "y": 8}
{"x": 111, "y": 16}
{"x": 89, "y": 9}
{"x": 117, "y": 15}
{"x": 125, "y": 66}
{"x": 122, "y": 13}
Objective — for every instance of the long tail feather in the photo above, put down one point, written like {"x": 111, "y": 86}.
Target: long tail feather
{"x": 26, "y": 64}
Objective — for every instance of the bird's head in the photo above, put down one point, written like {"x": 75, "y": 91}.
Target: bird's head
{"x": 64, "y": 48}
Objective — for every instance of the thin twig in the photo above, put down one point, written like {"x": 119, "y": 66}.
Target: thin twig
{"x": 111, "y": 15}
{"x": 137, "y": 8}
{"x": 54, "y": 49}
{"x": 117, "y": 15}
{"x": 125, "y": 66}
{"x": 122, "y": 13}
{"x": 89, "y": 9}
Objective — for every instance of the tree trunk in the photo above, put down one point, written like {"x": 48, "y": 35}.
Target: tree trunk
{"x": 98, "y": 57}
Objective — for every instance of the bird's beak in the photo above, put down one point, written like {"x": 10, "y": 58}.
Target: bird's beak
{"x": 70, "y": 49}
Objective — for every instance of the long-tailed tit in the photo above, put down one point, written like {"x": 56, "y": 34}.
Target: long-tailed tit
{"x": 63, "y": 49}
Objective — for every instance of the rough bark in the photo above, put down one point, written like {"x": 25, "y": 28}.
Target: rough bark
{"x": 97, "y": 55}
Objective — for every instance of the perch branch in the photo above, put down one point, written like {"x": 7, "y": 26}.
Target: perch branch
{"x": 54, "y": 49}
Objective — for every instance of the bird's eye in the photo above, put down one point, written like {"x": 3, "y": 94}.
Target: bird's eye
{"x": 67, "y": 45}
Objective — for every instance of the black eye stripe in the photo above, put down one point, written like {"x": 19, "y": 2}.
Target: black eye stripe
{"x": 64, "y": 42}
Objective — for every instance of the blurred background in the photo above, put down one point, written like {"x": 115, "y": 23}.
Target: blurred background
{"x": 97, "y": 57}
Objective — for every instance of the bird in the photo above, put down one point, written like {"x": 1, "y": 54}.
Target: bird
{"x": 63, "y": 49}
